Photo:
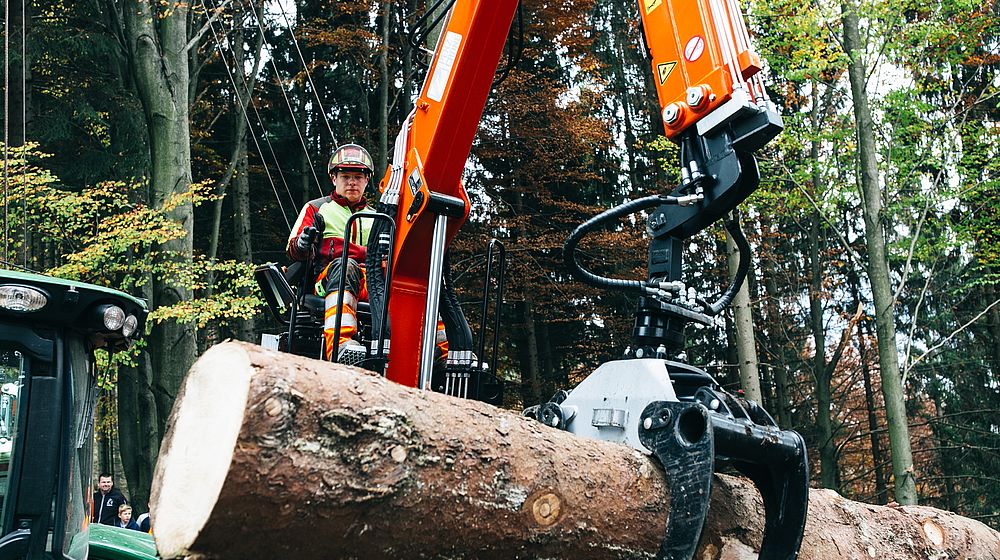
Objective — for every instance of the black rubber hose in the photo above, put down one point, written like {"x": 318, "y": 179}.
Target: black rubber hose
{"x": 569, "y": 248}
{"x": 377, "y": 252}
{"x": 733, "y": 227}
{"x": 456, "y": 326}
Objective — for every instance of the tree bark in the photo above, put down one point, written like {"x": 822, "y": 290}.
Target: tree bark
{"x": 746, "y": 345}
{"x": 157, "y": 42}
{"x": 878, "y": 267}
{"x": 822, "y": 375}
{"x": 138, "y": 438}
{"x": 18, "y": 113}
{"x": 382, "y": 157}
{"x": 276, "y": 456}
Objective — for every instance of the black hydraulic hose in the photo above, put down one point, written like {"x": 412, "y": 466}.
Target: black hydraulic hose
{"x": 456, "y": 326}
{"x": 569, "y": 248}
{"x": 376, "y": 276}
{"x": 733, "y": 227}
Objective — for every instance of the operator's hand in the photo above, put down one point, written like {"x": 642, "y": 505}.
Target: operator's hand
{"x": 305, "y": 239}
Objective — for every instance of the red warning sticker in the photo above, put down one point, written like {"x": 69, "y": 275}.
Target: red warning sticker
{"x": 694, "y": 48}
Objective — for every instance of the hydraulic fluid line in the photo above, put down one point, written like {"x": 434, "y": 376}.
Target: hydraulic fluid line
{"x": 569, "y": 248}
{"x": 288, "y": 102}
{"x": 723, "y": 31}
{"x": 742, "y": 270}
{"x": 249, "y": 94}
{"x": 421, "y": 29}
{"x": 305, "y": 68}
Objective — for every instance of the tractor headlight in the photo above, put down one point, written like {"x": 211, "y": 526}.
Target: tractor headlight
{"x": 113, "y": 317}
{"x": 130, "y": 325}
{"x": 23, "y": 299}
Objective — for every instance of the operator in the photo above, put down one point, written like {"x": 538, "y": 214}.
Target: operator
{"x": 350, "y": 170}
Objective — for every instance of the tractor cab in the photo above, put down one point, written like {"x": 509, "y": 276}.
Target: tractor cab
{"x": 49, "y": 330}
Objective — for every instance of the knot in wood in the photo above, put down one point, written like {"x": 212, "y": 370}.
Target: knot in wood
{"x": 933, "y": 532}
{"x": 273, "y": 406}
{"x": 545, "y": 509}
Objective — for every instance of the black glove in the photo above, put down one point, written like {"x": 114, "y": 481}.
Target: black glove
{"x": 306, "y": 238}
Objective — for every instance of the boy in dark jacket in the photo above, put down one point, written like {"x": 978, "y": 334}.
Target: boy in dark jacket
{"x": 125, "y": 518}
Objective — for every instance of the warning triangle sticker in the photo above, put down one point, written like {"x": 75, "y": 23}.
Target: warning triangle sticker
{"x": 664, "y": 69}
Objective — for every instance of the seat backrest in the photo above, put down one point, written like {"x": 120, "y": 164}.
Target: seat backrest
{"x": 275, "y": 289}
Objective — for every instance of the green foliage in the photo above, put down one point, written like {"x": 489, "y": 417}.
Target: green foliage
{"x": 105, "y": 235}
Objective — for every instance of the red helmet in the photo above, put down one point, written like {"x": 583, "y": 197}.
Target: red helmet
{"x": 350, "y": 156}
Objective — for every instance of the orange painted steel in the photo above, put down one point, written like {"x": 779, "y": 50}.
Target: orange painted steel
{"x": 447, "y": 116}
{"x": 691, "y": 43}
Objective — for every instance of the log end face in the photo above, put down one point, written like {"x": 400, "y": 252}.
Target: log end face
{"x": 198, "y": 447}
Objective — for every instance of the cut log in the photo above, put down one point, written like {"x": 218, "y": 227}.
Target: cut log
{"x": 270, "y": 455}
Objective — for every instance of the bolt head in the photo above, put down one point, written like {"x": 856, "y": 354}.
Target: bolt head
{"x": 554, "y": 421}
{"x": 695, "y": 96}
{"x": 647, "y": 423}
{"x": 671, "y": 113}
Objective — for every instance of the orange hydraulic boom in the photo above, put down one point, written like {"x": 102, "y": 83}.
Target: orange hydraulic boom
{"x": 705, "y": 72}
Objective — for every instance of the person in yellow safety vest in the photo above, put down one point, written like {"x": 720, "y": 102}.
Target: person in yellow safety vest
{"x": 350, "y": 170}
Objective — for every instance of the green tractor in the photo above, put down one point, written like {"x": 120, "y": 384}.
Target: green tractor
{"x": 49, "y": 330}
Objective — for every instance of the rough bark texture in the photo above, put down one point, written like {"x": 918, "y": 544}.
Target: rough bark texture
{"x": 746, "y": 342}
{"x": 160, "y": 69}
{"x": 878, "y": 265}
{"x": 331, "y": 462}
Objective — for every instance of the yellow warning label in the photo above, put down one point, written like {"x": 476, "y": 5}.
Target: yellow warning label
{"x": 664, "y": 69}
{"x": 651, "y": 4}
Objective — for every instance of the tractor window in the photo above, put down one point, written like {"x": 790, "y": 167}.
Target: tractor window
{"x": 78, "y": 484}
{"x": 12, "y": 375}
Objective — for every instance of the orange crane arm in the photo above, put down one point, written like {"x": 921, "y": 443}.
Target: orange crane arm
{"x": 703, "y": 64}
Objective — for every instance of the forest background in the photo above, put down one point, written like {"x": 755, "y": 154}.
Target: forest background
{"x": 164, "y": 148}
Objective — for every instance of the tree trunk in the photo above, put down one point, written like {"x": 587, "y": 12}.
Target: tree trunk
{"x": 259, "y": 439}
{"x": 821, "y": 374}
{"x": 382, "y": 157}
{"x": 157, "y": 42}
{"x": 18, "y": 113}
{"x": 534, "y": 382}
{"x": 746, "y": 346}
{"x": 878, "y": 458}
{"x": 138, "y": 438}
{"x": 245, "y": 328}
{"x": 878, "y": 267}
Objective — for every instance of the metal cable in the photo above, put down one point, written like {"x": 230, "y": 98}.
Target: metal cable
{"x": 24, "y": 129}
{"x": 6, "y": 120}
{"x": 267, "y": 139}
{"x": 305, "y": 68}
{"x": 288, "y": 102}
{"x": 218, "y": 46}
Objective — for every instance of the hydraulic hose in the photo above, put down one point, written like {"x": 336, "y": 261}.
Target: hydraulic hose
{"x": 569, "y": 248}
{"x": 733, "y": 227}
{"x": 377, "y": 252}
{"x": 456, "y": 326}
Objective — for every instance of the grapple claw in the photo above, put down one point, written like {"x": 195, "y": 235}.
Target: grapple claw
{"x": 690, "y": 437}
